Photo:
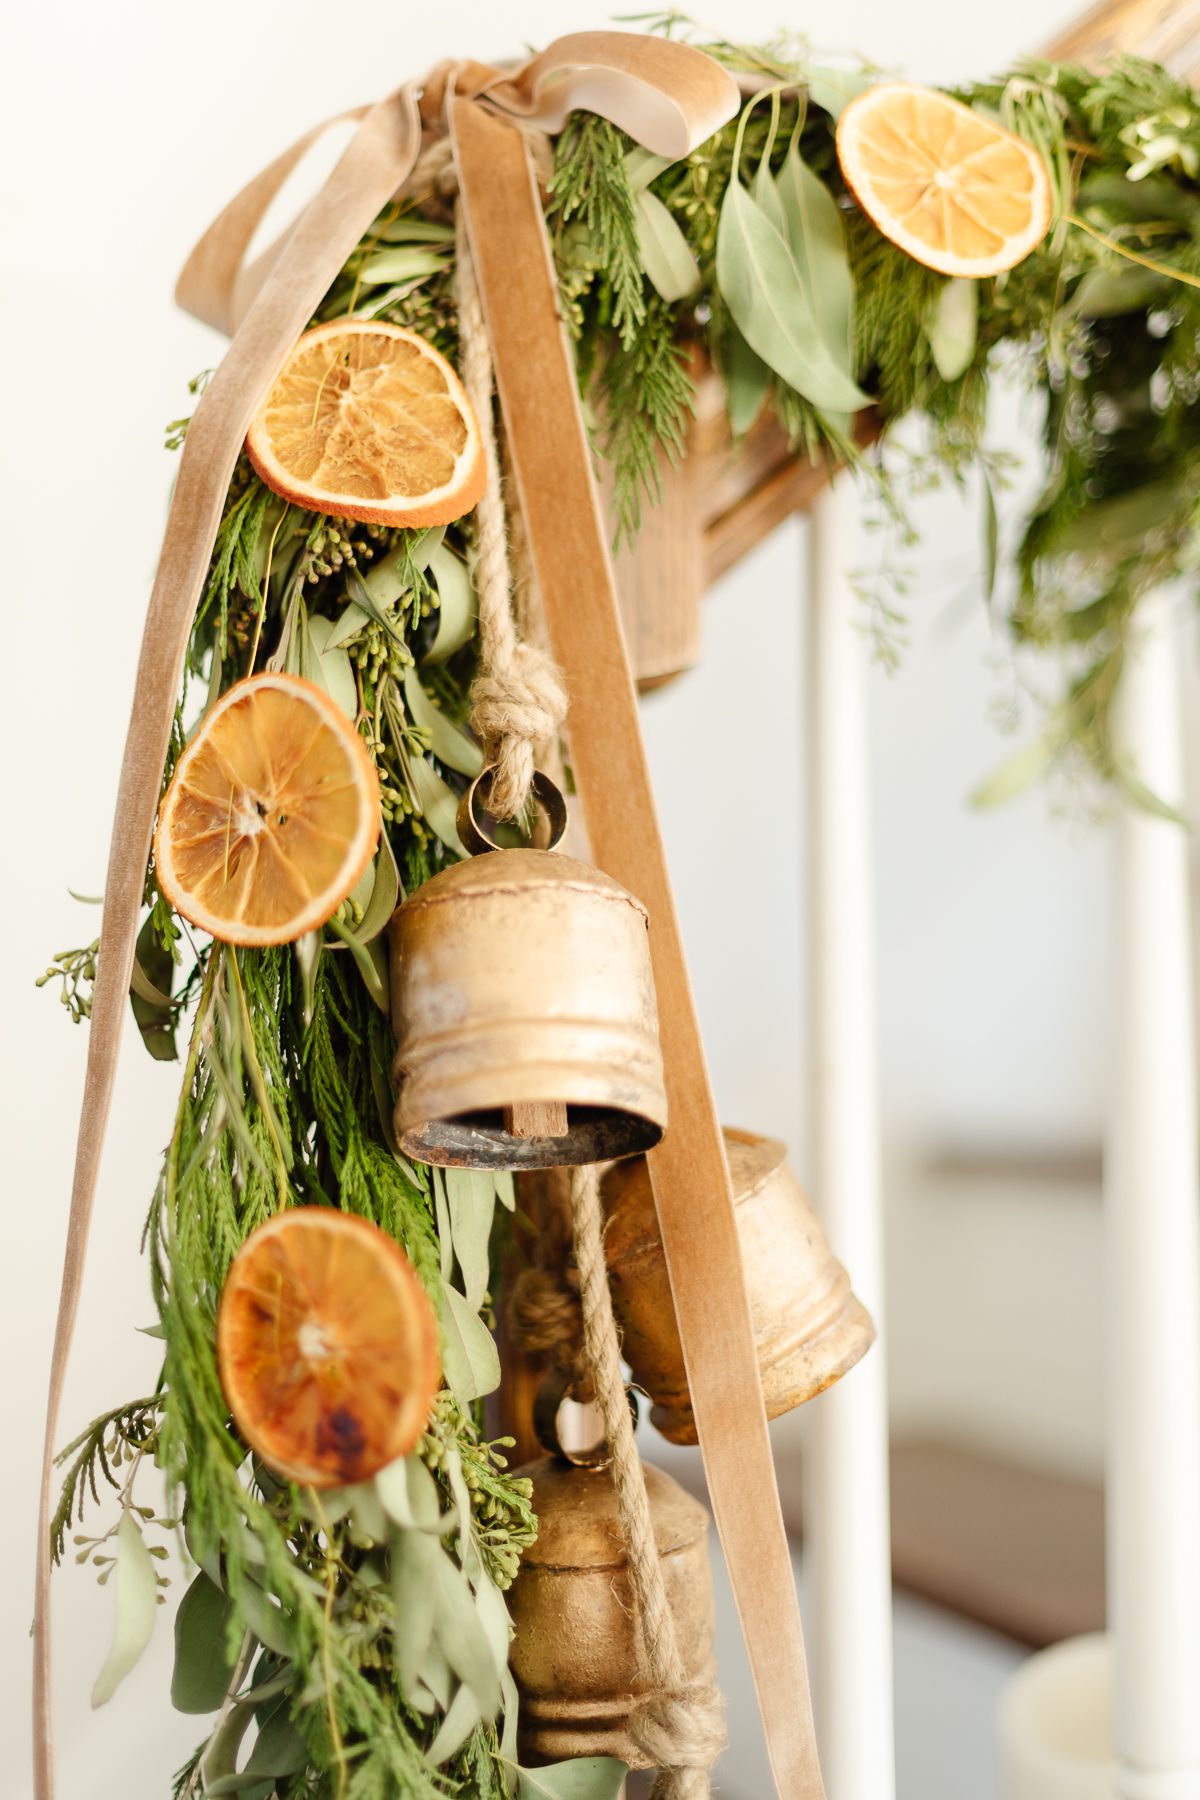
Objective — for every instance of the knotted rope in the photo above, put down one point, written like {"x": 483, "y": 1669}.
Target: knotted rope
{"x": 681, "y": 1726}
{"x": 543, "y": 1314}
{"x": 518, "y": 700}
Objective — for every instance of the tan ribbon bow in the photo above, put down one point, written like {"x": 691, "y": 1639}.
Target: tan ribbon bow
{"x": 669, "y": 97}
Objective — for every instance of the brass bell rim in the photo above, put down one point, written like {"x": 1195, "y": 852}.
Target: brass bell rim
{"x": 839, "y": 1349}
{"x": 473, "y": 1142}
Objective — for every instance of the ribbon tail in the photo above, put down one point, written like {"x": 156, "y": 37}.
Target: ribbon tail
{"x": 535, "y": 378}
{"x": 375, "y": 163}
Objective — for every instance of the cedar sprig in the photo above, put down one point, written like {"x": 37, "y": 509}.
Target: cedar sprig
{"x": 590, "y": 184}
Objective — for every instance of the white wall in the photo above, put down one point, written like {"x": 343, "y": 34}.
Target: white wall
{"x": 125, "y": 129}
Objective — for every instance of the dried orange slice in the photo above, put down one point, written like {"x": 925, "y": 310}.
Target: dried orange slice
{"x": 327, "y": 1345}
{"x": 960, "y": 194}
{"x": 272, "y": 814}
{"x": 368, "y": 421}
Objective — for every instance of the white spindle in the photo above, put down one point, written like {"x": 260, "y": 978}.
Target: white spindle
{"x": 848, "y": 1554}
{"x": 1152, "y": 1224}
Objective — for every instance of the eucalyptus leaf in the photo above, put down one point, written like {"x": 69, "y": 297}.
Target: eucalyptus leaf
{"x": 1118, "y": 521}
{"x": 137, "y": 1603}
{"x": 220, "y": 1761}
{"x": 951, "y": 325}
{"x": 461, "y": 1495}
{"x": 642, "y": 167}
{"x": 1153, "y": 198}
{"x": 470, "y": 1360}
{"x": 437, "y": 1677}
{"x": 493, "y": 1616}
{"x": 510, "y": 1704}
{"x": 307, "y": 951}
{"x": 506, "y": 1189}
{"x": 462, "y": 1638}
{"x": 423, "y": 545}
{"x": 414, "y": 1558}
{"x": 368, "y": 1519}
{"x": 766, "y": 194}
{"x": 471, "y": 1195}
{"x": 747, "y": 378}
{"x": 817, "y": 238}
{"x": 462, "y": 1716}
{"x": 441, "y": 1213}
{"x": 370, "y": 959}
{"x": 665, "y": 252}
{"x": 203, "y": 1665}
{"x": 150, "y": 994}
{"x": 583, "y": 1778}
{"x": 391, "y": 576}
{"x": 365, "y": 599}
{"x": 770, "y": 305}
{"x": 279, "y": 1748}
{"x": 1108, "y": 293}
{"x": 409, "y": 1495}
{"x": 438, "y": 803}
{"x": 1019, "y": 771}
{"x": 349, "y": 622}
{"x": 412, "y": 230}
{"x": 456, "y": 605}
{"x": 991, "y": 537}
{"x": 331, "y": 667}
{"x": 265, "y": 1619}
{"x": 833, "y": 89}
{"x": 385, "y": 893}
{"x": 403, "y": 264}
{"x": 1147, "y": 801}
{"x": 447, "y": 740}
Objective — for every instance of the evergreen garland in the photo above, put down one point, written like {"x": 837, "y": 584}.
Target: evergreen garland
{"x": 286, "y": 1083}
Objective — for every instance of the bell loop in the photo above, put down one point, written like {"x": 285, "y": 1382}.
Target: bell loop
{"x": 476, "y": 840}
{"x": 558, "y": 1389}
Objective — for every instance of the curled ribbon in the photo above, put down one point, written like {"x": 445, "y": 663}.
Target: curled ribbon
{"x": 670, "y": 97}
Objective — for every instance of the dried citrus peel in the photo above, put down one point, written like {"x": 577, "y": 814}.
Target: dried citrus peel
{"x": 272, "y": 815}
{"x": 368, "y": 421}
{"x": 956, "y": 191}
{"x": 327, "y": 1346}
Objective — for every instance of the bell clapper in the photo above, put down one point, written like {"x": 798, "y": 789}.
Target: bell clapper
{"x": 536, "y": 1119}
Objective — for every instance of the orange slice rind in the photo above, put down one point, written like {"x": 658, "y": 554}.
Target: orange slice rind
{"x": 272, "y": 815}
{"x": 327, "y": 1346}
{"x": 368, "y": 421}
{"x": 957, "y": 192}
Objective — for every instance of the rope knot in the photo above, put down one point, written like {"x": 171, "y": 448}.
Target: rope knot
{"x": 524, "y": 697}
{"x": 681, "y": 1729}
{"x": 544, "y": 1315}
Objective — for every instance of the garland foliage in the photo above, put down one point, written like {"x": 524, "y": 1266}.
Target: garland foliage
{"x": 363, "y": 1634}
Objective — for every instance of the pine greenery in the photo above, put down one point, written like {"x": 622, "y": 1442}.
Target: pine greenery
{"x": 286, "y": 1087}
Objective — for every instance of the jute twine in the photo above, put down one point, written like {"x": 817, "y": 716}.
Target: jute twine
{"x": 518, "y": 705}
{"x": 681, "y": 1726}
{"x": 518, "y": 700}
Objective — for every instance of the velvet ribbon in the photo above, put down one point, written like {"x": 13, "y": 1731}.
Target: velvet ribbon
{"x": 670, "y": 98}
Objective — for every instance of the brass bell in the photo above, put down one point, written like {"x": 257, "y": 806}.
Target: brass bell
{"x": 575, "y": 1654}
{"x": 524, "y": 1011}
{"x": 808, "y": 1325}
